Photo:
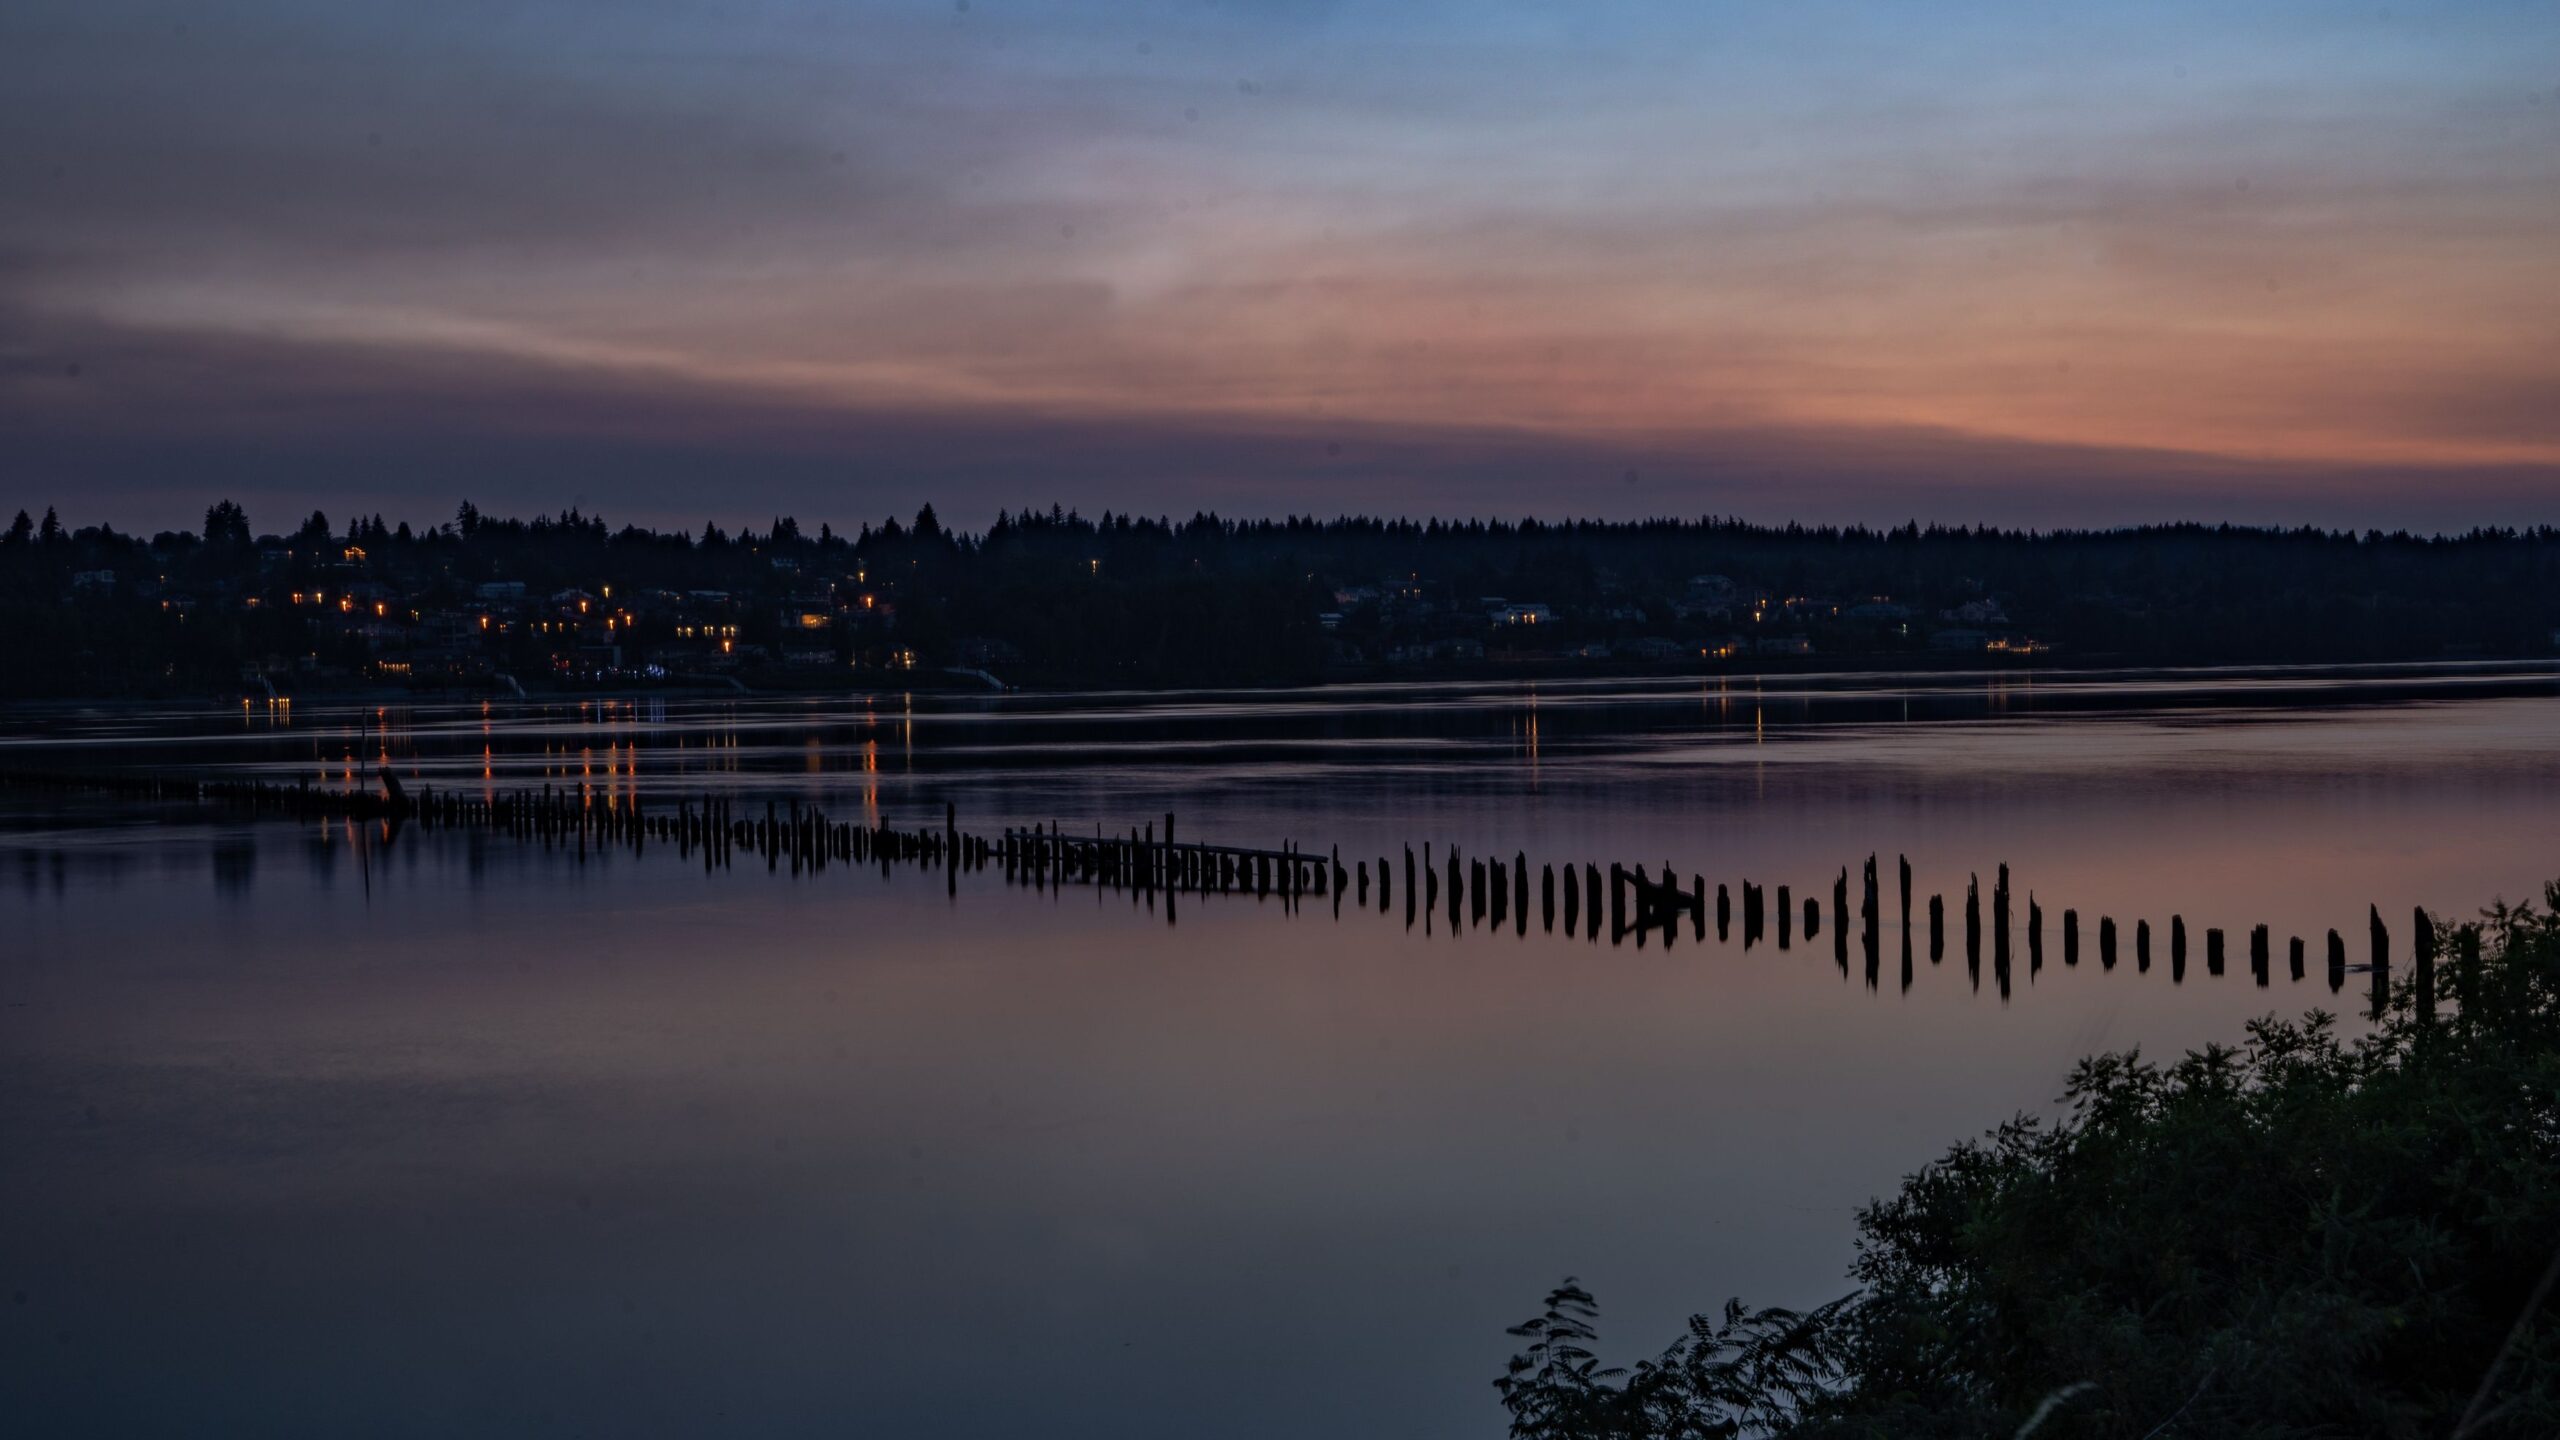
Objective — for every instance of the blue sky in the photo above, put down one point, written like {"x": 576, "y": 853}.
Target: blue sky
{"x": 2020, "y": 263}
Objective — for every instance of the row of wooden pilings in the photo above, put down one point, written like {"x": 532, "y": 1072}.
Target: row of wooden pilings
{"x": 1632, "y": 903}
{"x": 1469, "y": 892}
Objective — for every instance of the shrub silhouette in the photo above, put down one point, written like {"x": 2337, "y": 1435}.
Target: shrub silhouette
{"x": 2301, "y": 1236}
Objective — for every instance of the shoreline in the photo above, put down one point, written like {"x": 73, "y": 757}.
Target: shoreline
{"x": 1363, "y": 679}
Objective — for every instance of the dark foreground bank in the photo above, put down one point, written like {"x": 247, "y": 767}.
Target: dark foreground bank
{"x": 2298, "y": 1237}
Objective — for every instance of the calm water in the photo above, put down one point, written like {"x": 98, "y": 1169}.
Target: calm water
{"x": 303, "y": 1134}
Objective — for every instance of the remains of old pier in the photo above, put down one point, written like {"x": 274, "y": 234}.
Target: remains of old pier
{"x": 1483, "y": 894}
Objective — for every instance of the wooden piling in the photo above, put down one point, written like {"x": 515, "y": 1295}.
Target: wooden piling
{"x": 2422, "y": 952}
{"x": 2381, "y": 961}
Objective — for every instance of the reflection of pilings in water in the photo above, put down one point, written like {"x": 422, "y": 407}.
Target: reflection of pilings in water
{"x": 1500, "y": 899}
{"x": 1591, "y": 901}
{"x": 2213, "y": 950}
{"x": 2142, "y": 946}
{"x": 1754, "y": 914}
{"x": 1937, "y": 928}
{"x": 1724, "y": 914}
{"x": 1698, "y": 907}
{"x": 2337, "y": 962}
{"x": 2177, "y": 949}
{"x": 1786, "y": 918}
{"x": 1572, "y": 902}
{"x": 2258, "y": 954}
{"x": 2070, "y": 938}
{"x": 2293, "y": 956}
{"x": 1547, "y": 898}
{"x": 2106, "y": 942}
{"x": 1812, "y": 918}
{"x": 2035, "y": 936}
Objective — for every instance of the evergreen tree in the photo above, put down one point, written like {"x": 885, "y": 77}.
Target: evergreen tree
{"x": 225, "y": 523}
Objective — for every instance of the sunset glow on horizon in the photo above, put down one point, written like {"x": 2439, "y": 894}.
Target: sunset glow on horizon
{"x": 1967, "y": 262}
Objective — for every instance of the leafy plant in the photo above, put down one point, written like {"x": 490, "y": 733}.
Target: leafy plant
{"x": 2300, "y": 1236}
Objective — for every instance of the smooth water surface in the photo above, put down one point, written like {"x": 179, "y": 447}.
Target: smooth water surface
{"x": 303, "y": 1132}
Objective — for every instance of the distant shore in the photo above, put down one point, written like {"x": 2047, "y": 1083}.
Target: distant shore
{"x": 2051, "y": 667}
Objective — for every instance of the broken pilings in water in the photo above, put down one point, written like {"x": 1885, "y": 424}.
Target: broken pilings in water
{"x": 1973, "y": 928}
{"x": 2000, "y": 924}
{"x": 2422, "y": 951}
{"x": 1520, "y": 891}
{"x": 2381, "y": 962}
{"x": 1840, "y": 920}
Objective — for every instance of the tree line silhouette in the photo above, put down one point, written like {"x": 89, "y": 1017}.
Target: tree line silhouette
{"x": 1124, "y": 599}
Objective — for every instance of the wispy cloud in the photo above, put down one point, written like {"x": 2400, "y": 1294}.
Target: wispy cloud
{"x": 2263, "y": 240}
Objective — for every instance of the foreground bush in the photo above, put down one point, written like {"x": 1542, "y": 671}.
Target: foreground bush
{"x": 2300, "y": 1237}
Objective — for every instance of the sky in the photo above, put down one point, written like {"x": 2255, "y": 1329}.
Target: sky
{"x": 2035, "y": 264}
